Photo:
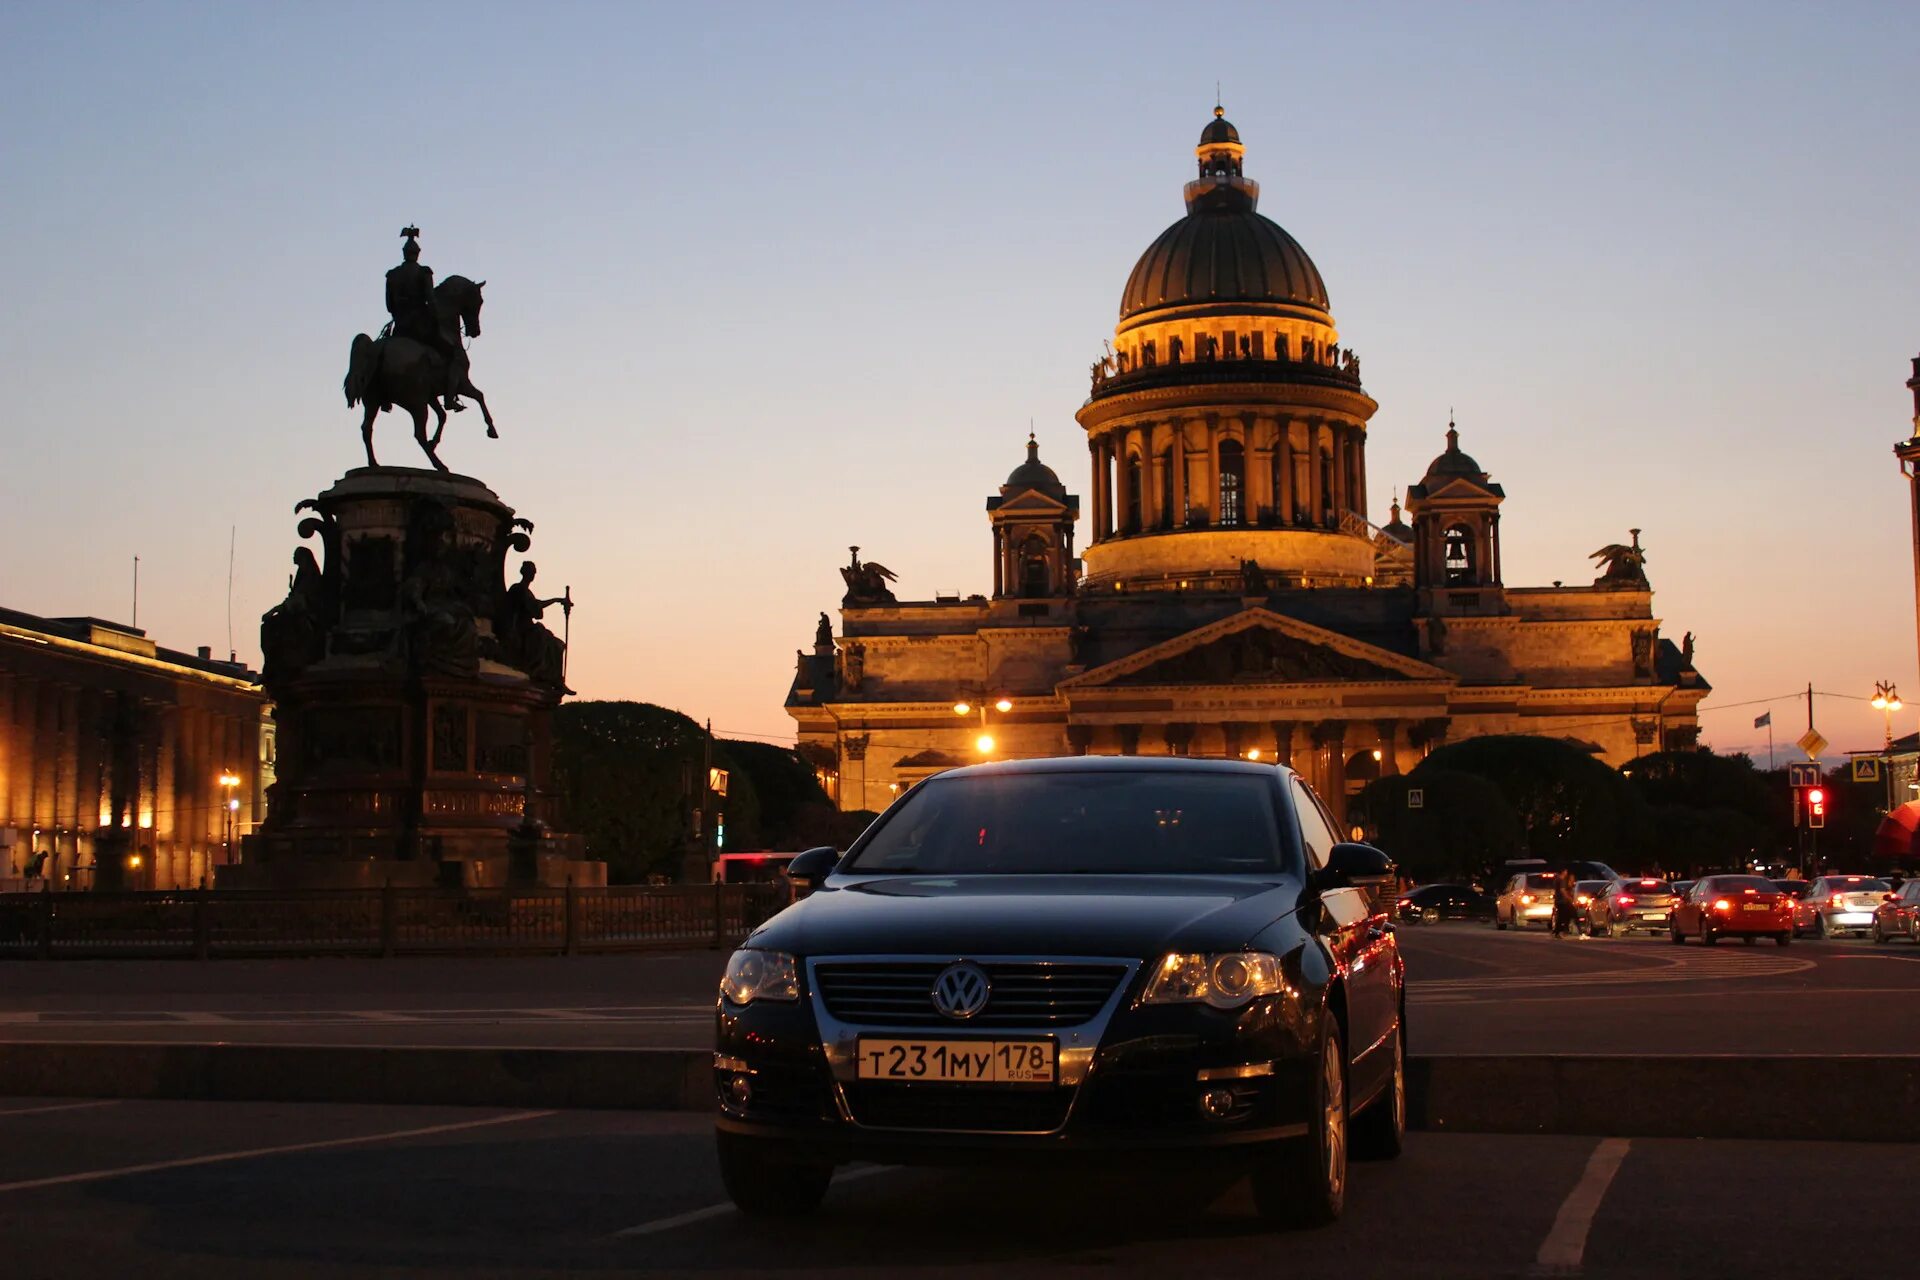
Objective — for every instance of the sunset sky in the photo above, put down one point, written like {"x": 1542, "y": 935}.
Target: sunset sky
{"x": 764, "y": 281}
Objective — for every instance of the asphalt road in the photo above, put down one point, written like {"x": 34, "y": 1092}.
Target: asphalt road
{"x": 1472, "y": 990}
{"x": 164, "y": 1189}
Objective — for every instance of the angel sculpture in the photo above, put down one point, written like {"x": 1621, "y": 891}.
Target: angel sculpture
{"x": 866, "y": 583}
{"x": 1622, "y": 564}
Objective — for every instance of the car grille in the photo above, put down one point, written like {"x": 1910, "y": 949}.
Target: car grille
{"x": 1023, "y": 993}
{"x": 970, "y": 1108}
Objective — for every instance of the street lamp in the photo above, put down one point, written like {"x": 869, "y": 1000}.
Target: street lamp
{"x": 229, "y": 812}
{"x": 984, "y": 743}
{"x": 1886, "y": 700}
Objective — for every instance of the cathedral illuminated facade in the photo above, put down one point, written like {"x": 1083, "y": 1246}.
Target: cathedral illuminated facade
{"x": 1232, "y": 598}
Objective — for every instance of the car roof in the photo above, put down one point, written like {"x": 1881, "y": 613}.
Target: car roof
{"x": 1117, "y": 764}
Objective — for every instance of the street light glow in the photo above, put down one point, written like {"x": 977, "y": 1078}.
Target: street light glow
{"x": 1004, "y": 705}
{"x": 962, "y": 708}
{"x": 984, "y": 744}
{"x": 1253, "y": 753}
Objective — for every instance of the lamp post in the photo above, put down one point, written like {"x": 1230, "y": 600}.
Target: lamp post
{"x": 984, "y": 744}
{"x": 1886, "y": 700}
{"x": 229, "y": 812}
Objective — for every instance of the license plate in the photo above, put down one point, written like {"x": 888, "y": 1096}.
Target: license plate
{"x": 958, "y": 1061}
{"x": 1755, "y": 906}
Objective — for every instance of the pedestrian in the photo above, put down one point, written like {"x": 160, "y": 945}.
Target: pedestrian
{"x": 1563, "y": 905}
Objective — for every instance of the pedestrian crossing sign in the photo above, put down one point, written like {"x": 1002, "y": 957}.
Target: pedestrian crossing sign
{"x": 1866, "y": 769}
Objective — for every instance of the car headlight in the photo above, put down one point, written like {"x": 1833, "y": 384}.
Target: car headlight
{"x": 1222, "y": 981}
{"x": 760, "y": 975}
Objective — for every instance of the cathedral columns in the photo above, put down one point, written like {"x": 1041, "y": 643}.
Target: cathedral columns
{"x": 1360, "y": 472}
{"x": 1283, "y": 742}
{"x": 1389, "y": 731}
{"x": 1316, "y": 474}
{"x": 1123, "y": 496}
{"x": 1213, "y": 471}
{"x": 1260, "y": 471}
{"x": 999, "y": 563}
{"x": 1331, "y": 737}
{"x": 1157, "y": 480}
{"x": 1177, "y": 461}
{"x": 1283, "y": 468}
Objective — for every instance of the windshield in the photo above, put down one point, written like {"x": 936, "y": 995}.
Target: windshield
{"x": 1122, "y": 823}
{"x": 1852, "y": 884}
{"x": 1643, "y": 886}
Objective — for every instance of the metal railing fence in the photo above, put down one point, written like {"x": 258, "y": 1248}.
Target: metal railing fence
{"x": 206, "y": 923}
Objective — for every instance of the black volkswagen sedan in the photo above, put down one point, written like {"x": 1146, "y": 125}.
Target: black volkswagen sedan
{"x": 1100, "y": 955}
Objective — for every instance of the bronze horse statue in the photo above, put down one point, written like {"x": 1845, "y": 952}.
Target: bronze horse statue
{"x": 403, "y": 371}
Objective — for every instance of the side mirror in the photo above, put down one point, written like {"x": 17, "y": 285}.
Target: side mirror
{"x": 1349, "y": 863}
{"x": 808, "y": 869}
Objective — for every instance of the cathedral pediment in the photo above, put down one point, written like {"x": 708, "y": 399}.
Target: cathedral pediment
{"x": 1259, "y": 647}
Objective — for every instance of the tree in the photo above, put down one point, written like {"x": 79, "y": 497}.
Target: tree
{"x": 1711, "y": 811}
{"x": 1569, "y": 805}
{"x": 623, "y": 775}
{"x": 1462, "y": 830}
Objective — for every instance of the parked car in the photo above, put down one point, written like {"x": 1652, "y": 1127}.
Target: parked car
{"x": 1840, "y": 905}
{"x": 1109, "y": 955}
{"x": 1899, "y": 915}
{"x": 1432, "y": 903}
{"x": 1527, "y": 899}
{"x": 1802, "y": 912}
{"x": 1631, "y": 903}
{"x": 1744, "y": 907}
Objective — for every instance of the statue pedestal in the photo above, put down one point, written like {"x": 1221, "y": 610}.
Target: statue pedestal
{"x": 413, "y": 697}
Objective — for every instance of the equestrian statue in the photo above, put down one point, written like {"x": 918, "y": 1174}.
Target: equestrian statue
{"x": 418, "y": 362}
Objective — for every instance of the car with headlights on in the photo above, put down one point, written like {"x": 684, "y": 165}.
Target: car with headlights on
{"x": 1084, "y": 958}
{"x": 1898, "y": 915}
{"x": 1629, "y": 903}
{"x": 1842, "y": 905}
{"x": 1746, "y": 907}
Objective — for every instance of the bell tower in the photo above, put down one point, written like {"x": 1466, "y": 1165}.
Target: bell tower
{"x": 1032, "y": 520}
{"x": 1456, "y": 534}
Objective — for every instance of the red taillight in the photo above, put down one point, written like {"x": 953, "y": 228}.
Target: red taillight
{"x": 1835, "y": 901}
{"x": 1525, "y": 898}
{"x": 1625, "y": 900}
{"x": 1721, "y": 904}
{"x": 1582, "y": 899}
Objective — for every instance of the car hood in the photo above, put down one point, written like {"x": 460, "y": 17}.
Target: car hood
{"x": 1077, "y": 915}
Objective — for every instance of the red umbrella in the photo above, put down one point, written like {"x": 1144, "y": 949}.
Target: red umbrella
{"x": 1898, "y": 835}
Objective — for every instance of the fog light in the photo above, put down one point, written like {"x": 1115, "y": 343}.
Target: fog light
{"x": 1216, "y": 1104}
{"x": 740, "y": 1091}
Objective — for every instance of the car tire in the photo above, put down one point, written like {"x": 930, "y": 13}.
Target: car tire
{"x": 764, "y": 1184}
{"x": 1879, "y": 937}
{"x": 1751, "y": 940}
{"x": 1819, "y": 925}
{"x": 1782, "y": 939}
{"x": 1430, "y": 915}
{"x": 1303, "y": 1183}
{"x": 1380, "y": 1132}
{"x": 1498, "y": 923}
{"x": 1675, "y": 936}
{"x": 1708, "y": 937}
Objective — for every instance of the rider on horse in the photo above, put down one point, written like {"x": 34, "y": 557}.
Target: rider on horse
{"x": 410, "y": 303}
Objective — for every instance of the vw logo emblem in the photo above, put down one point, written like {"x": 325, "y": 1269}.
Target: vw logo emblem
{"x": 961, "y": 990}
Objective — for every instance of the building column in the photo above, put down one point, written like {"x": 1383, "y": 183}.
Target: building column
{"x": 999, "y": 561}
{"x": 1282, "y": 742}
{"x": 1260, "y": 470}
{"x": 1360, "y": 472}
{"x": 1493, "y": 543}
{"x": 1389, "y": 731}
{"x": 1316, "y": 492}
{"x": 1331, "y": 737}
{"x": 1096, "y": 452}
{"x": 1214, "y": 513}
{"x": 1177, "y": 461}
{"x": 1079, "y": 738}
{"x": 1283, "y": 498}
{"x": 1122, "y": 485}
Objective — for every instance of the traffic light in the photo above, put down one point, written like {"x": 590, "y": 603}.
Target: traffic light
{"x": 1816, "y": 807}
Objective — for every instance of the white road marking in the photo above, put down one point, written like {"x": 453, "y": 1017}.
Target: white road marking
{"x": 60, "y": 1106}
{"x": 1879, "y": 955}
{"x": 722, "y": 1210}
{"x": 1566, "y": 1244}
{"x": 221, "y": 1157}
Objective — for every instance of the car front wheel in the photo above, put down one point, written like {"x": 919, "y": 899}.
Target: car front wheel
{"x": 765, "y": 1183}
{"x": 1303, "y": 1183}
{"x": 1782, "y": 939}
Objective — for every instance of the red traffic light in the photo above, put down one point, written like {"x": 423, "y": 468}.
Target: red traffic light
{"x": 1816, "y": 807}
{"x": 1816, "y": 797}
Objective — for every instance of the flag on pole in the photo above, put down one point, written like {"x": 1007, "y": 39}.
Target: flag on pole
{"x": 1762, "y": 721}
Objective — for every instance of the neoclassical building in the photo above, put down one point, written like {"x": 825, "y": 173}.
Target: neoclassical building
{"x": 1233, "y": 599}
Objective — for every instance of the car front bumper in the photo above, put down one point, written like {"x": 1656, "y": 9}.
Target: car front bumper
{"x": 1139, "y": 1088}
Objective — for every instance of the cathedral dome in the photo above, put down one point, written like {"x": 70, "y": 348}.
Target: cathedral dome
{"x": 1223, "y": 250}
{"x": 1223, "y": 255}
{"x": 1034, "y": 474}
{"x": 1453, "y": 462}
